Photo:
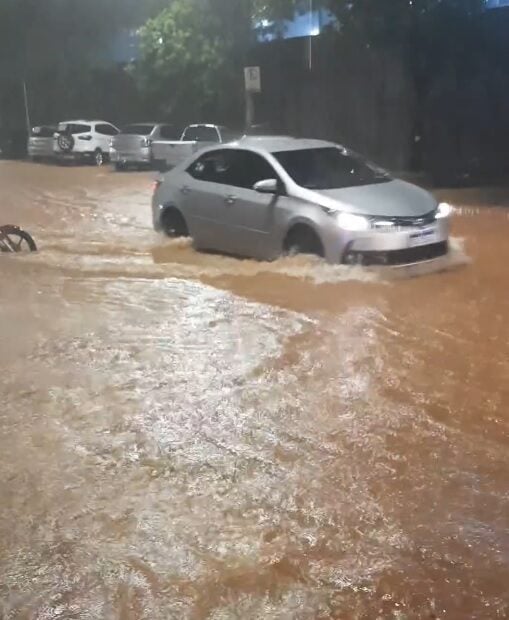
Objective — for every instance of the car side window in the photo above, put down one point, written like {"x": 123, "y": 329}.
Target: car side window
{"x": 212, "y": 167}
{"x": 74, "y": 128}
{"x": 201, "y": 133}
{"x": 106, "y": 130}
{"x": 168, "y": 132}
{"x": 228, "y": 135}
{"x": 247, "y": 168}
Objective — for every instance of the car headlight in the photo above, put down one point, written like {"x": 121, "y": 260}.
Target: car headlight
{"x": 352, "y": 222}
{"x": 443, "y": 210}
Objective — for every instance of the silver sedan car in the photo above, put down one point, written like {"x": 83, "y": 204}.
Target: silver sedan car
{"x": 266, "y": 196}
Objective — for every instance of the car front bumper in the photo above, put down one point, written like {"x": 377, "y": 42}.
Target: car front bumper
{"x": 394, "y": 246}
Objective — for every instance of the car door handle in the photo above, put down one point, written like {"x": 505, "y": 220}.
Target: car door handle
{"x": 185, "y": 189}
{"x": 230, "y": 200}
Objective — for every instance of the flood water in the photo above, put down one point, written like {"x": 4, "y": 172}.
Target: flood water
{"x": 187, "y": 436}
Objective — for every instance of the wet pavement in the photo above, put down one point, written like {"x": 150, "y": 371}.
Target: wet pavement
{"x": 192, "y": 436}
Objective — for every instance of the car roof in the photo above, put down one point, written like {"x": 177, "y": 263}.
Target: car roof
{"x": 83, "y": 122}
{"x": 274, "y": 144}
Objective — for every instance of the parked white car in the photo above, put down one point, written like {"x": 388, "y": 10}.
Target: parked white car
{"x": 40, "y": 143}
{"x": 84, "y": 140}
{"x": 170, "y": 153}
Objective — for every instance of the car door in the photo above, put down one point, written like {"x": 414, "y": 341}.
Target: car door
{"x": 167, "y": 147}
{"x": 248, "y": 215}
{"x": 202, "y": 194}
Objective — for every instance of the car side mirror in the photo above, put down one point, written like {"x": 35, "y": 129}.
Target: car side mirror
{"x": 267, "y": 186}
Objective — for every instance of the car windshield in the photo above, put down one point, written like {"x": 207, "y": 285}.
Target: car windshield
{"x": 201, "y": 133}
{"x": 329, "y": 168}
{"x": 74, "y": 128}
{"x": 138, "y": 130}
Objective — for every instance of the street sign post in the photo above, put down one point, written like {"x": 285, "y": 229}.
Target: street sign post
{"x": 253, "y": 82}
{"x": 253, "y": 79}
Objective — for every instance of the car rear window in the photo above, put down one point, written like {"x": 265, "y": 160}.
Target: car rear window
{"x": 329, "y": 168}
{"x": 138, "y": 130}
{"x": 201, "y": 133}
{"x": 74, "y": 128}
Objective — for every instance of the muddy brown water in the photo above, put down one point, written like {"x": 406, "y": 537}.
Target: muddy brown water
{"x": 192, "y": 436}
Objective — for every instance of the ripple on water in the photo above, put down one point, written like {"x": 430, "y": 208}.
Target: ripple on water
{"x": 170, "y": 472}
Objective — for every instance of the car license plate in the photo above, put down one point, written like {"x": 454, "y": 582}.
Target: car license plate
{"x": 427, "y": 236}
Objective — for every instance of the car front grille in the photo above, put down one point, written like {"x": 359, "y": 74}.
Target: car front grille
{"x": 394, "y": 258}
{"x": 405, "y": 222}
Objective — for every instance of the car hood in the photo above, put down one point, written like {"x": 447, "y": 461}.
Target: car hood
{"x": 389, "y": 199}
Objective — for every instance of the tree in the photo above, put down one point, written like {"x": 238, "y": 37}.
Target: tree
{"x": 192, "y": 54}
{"x": 56, "y": 46}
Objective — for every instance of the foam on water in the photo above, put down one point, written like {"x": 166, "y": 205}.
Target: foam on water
{"x": 178, "y": 259}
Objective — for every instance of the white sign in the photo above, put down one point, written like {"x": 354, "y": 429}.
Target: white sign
{"x": 253, "y": 79}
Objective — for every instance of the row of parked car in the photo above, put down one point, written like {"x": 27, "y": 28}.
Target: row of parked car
{"x": 155, "y": 145}
{"x": 264, "y": 195}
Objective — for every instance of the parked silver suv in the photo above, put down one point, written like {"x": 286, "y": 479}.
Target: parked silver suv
{"x": 133, "y": 145}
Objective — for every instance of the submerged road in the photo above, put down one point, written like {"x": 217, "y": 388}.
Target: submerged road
{"x": 186, "y": 436}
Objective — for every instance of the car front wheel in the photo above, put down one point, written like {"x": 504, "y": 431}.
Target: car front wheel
{"x": 302, "y": 239}
{"x": 174, "y": 224}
